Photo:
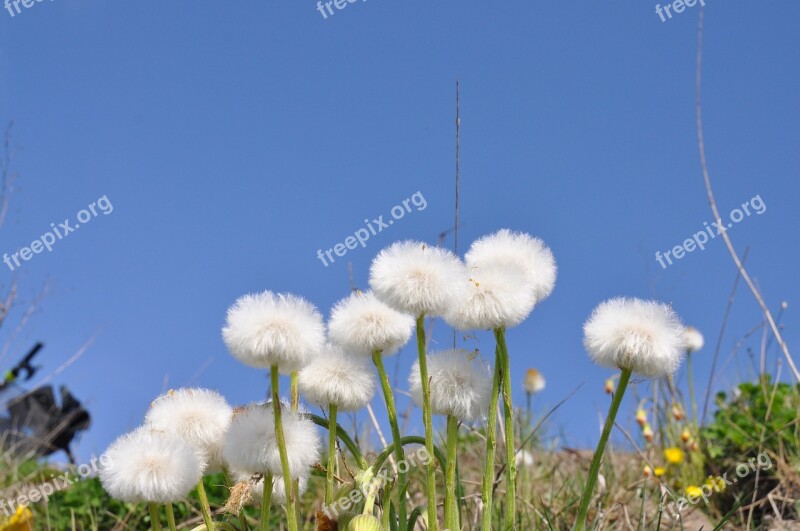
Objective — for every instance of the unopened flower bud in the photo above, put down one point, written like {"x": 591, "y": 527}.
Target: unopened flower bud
{"x": 647, "y": 433}
{"x": 364, "y": 522}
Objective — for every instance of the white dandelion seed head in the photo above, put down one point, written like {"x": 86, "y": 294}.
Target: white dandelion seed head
{"x": 150, "y": 466}
{"x": 251, "y": 444}
{"x": 693, "y": 338}
{"x": 339, "y": 378}
{"x": 534, "y": 381}
{"x": 495, "y": 296}
{"x": 363, "y": 324}
{"x": 519, "y": 251}
{"x": 199, "y": 416}
{"x": 416, "y": 278}
{"x": 266, "y": 329}
{"x": 643, "y": 336}
{"x": 460, "y": 384}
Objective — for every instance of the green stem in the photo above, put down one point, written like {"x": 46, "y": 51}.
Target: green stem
{"x": 294, "y": 393}
{"x": 391, "y": 410}
{"x": 291, "y": 511}
{"x": 511, "y": 451}
{"x": 204, "y": 506}
{"x": 690, "y": 383}
{"x": 331, "y": 455}
{"x": 451, "y": 519}
{"x": 427, "y": 420}
{"x": 594, "y": 469}
{"x": 266, "y": 501}
{"x": 154, "y": 518}
{"x": 491, "y": 447}
{"x": 170, "y": 516}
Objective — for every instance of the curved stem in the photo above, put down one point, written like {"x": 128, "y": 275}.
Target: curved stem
{"x": 594, "y": 469}
{"x": 204, "y": 506}
{"x": 170, "y": 516}
{"x": 491, "y": 447}
{"x": 154, "y": 518}
{"x": 331, "y": 455}
{"x": 291, "y": 512}
{"x": 388, "y": 396}
{"x": 410, "y": 439}
{"x": 266, "y": 501}
{"x": 451, "y": 520}
{"x": 344, "y": 437}
{"x": 427, "y": 420}
{"x": 511, "y": 451}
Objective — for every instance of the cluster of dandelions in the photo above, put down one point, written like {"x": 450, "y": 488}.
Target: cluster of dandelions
{"x": 272, "y": 447}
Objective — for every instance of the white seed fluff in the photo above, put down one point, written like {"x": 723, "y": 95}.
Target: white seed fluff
{"x": 520, "y": 251}
{"x": 150, "y": 466}
{"x": 694, "y": 339}
{"x": 415, "y": 278}
{"x": 251, "y": 444}
{"x": 460, "y": 385}
{"x": 495, "y": 297}
{"x": 199, "y": 416}
{"x": 266, "y": 329}
{"x": 643, "y": 336}
{"x": 363, "y": 324}
{"x": 338, "y": 378}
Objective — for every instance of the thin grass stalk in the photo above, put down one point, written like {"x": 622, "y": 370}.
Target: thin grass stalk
{"x": 487, "y": 489}
{"x": 331, "y": 454}
{"x": 291, "y": 510}
{"x": 266, "y": 501}
{"x": 594, "y": 469}
{"x": 154, "y": 518}
{"x": 427, "y": 420}
{"x": 451, "y": 520}
{"x": 205, "y": 508}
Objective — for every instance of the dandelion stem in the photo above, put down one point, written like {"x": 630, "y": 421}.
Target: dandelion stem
{"x": 690, "y": 383}
{"x": 508, "y": 413}
{"x": 170, "y": 516}
{"x": 427, "y": 420}
{"x": 594, "y": 469}
{"x": 491, "y": 448}
{"x": 331, "y": 454}
{"x": 204, "y": 506}
{"x": 294, "y": 393}
{"x": 391, "y": 411}
{"x": 266, "y": 501}
{"x": 154, "y": 518}
{"x": 291, "y": 510}
{"x": 451, "y": 519}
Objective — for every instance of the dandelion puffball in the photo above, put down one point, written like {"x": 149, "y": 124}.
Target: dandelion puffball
{"x": 645, "y": 337}
{"x": 150, "y": 466}
{"x": 199, "y": 416}
{"x": 338, "y": 378}
{"x": 459, "y": 385}
{"x": 693, "y": 338}
{"x": 495, "y": 296}
{"x": 266, "y": 329}
{"x": 251, "y": 444}
{"x": 362, "y": 324}
{"x": 519, "y": 251}
{"x": 534, "y": 381}
{"x": 415, "y": 278}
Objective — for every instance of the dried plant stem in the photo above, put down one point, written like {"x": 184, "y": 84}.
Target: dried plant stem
{"x": 291, "y": 510}
{"x": 433, "y": 522}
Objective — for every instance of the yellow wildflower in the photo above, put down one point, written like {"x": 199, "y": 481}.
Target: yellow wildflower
{"x": 673, "y": 455}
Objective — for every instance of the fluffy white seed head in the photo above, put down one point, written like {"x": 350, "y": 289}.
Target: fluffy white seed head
{"x": 266, "y": 329}
{"x": 415, "y": 278}
{"x": 694, "y": 339}
{"x": 150, "y": 466}
{"x": 495, "y": 296}
{"x": 534, "y": 381}
{"x": 520, "y": 251}
{"x": 339, "y": 378}
{"x": 363, "y": 324}
{"x": 251, "y": 444}
{"x": 644, "y": 336}
{"x": 460, "y": 384}
{"x": 199, "y": 416}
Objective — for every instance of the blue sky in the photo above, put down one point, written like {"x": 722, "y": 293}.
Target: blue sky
{"x": 234, "y": 140}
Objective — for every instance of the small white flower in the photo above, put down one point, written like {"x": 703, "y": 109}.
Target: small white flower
{"x": 150, "y": 466}
{"x": 519, "y": 251}
{"x": 524, "y": 459}
{"x": 495, "y": 297}
{"x": 645, "y": 337}
{"x": 251, "y": 444}
{"x": 337, "y": 378}
{"x": 362, "y": 324}
{"x": 415, "y": 278}
{"x": 266, "y": 329}
{"x": 534, "y": 382}
{"x": 199, "y": 416}
{"x": 459, "y": 385}
{"x": 694, "y": 339}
